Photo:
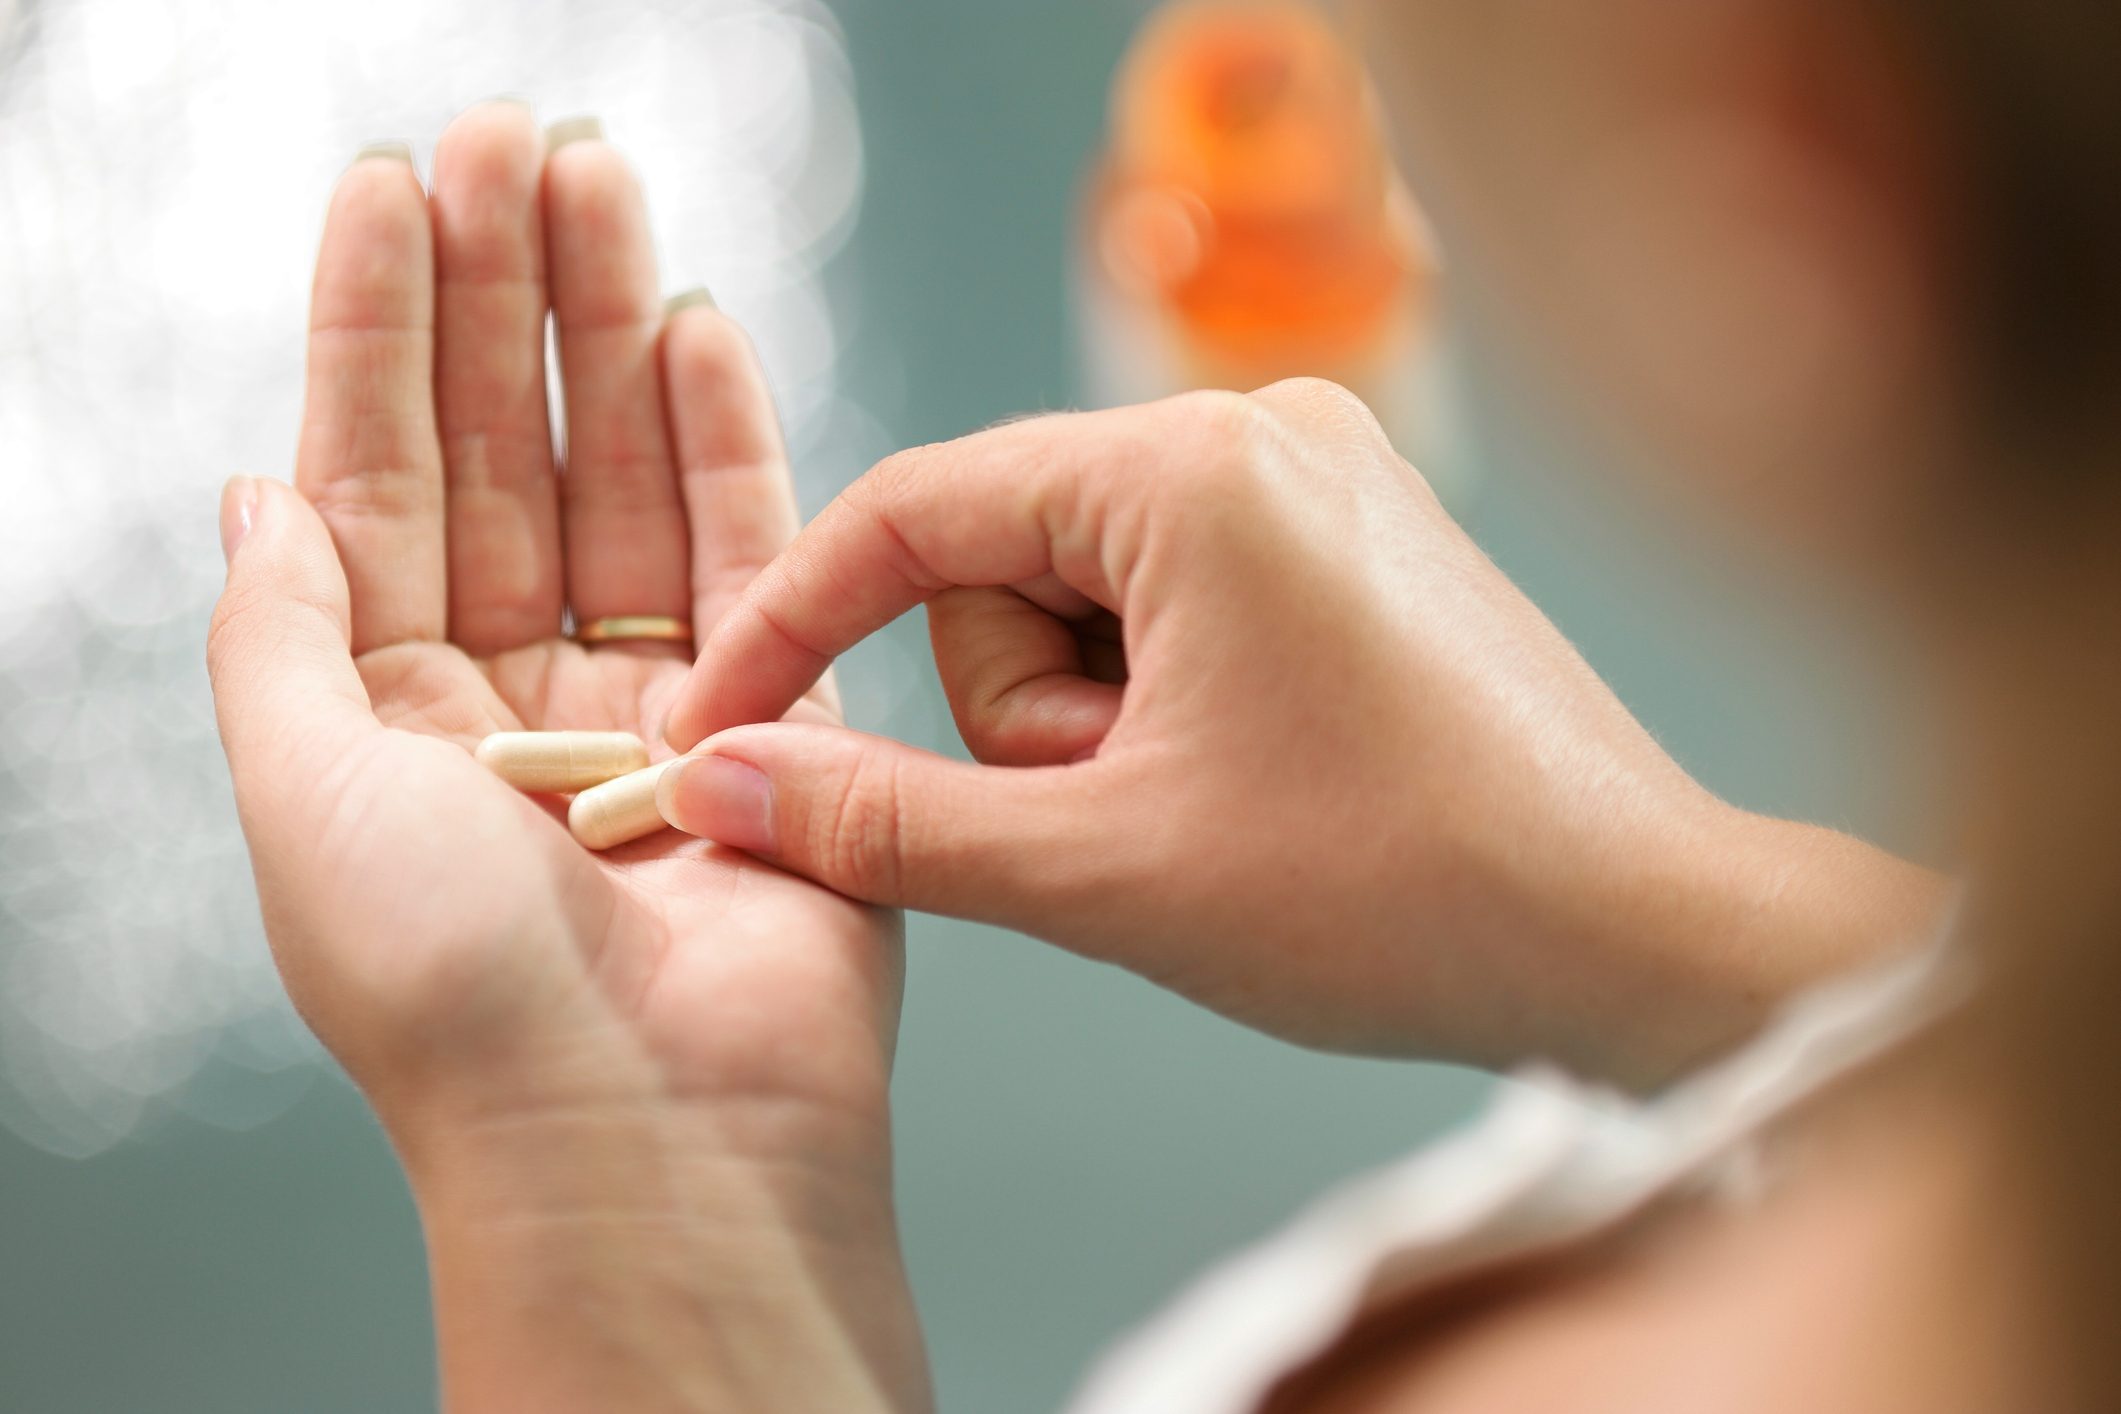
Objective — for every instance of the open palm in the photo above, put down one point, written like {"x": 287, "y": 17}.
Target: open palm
{"x": 441, "y": 931}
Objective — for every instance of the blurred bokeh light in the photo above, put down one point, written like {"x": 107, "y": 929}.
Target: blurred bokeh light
{"x": 163, "y": 173}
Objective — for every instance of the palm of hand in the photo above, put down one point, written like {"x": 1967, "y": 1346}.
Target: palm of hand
{"x": 694, "y": 959}
{"x": 429, "y": 918}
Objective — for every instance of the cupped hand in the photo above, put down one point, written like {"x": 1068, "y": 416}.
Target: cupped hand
{"x": 1255, "y": 717}
{"x": 653, "y": 1079}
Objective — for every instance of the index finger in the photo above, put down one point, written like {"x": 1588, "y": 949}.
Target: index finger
{"x": 999, "y": 507}
{"x": 370, "y": 458}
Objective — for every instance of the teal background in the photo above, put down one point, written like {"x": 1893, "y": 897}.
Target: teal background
{"x": 1073, "y": 1144}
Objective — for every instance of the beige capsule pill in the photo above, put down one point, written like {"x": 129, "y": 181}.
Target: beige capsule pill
{"x": 561, "y": 761}
{"x": 617, "y": 811}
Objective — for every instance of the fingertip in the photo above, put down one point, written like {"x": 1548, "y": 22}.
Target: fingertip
{"x": 666, "y": 802}
{"x": 239, "y": 509}
{"x": 704, "y": 348}
{"x": 703, "y": 706}
{"x": 263, "y": 507}
{"x": 719, "y": 798}
{"x": 382, "y": 171}
{"x": 599, "y": 254}
{"x": 1061, "y": 723}
{"x": 375, "y": 264}
{"x": 676, "y": 735}
{"x": 677, "y": 731}
{"x": 722, "y": 416}
{"x": 687, "y": 725}
{"x": 494, "y": 145}
{"x": 267, "y": 504}
{"x": 286, "y": 516}
{"x": 703, "y": 345}
{"x": 589, "y": 182}
{"x": 285, "y": 606}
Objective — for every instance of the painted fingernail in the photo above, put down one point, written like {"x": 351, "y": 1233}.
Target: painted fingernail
{"x": 387, "y": 152}
{"x": 580, "y": 129}
{"x": 239, "y": 510}
{"x": 719, "y": 799}
{"x": 687, "y": 299}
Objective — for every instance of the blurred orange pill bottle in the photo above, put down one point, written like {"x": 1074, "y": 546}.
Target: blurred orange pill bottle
{"x": 1246, "y": 222}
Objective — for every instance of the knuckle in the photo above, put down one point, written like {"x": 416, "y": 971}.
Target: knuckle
{"x": 1324, "y": 404}
{"x": 857, "y": 836}
{"x": 232, "y": 628}
{"x": 1005, "y": 740}
{"x": 977, "y": 708}
{"x": 1215, "y": 416}
{"x": 877, "y": 492}
{"x": 254, "y": 622}
{"x": 1205, "y": 438}
{"x": 388, "y": 486}
{"x": 1318, "y": 394}
{"x": 726, "y": 579}
{"x": 892, "y": 482}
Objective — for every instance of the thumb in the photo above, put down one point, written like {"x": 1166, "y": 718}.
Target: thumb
{"x": 884, "y": 823}
{"x": 283, "y": 676}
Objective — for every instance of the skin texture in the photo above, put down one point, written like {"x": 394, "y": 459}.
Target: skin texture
{"x": 640, "y": 1095}
{"x": 1717, "y": 237}
{"x": 1298, "y": 620}
{"x": 1249, "y": 715}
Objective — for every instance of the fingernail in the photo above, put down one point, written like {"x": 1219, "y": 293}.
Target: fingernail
{"x": 514, "y": 99}
{"x": 581, "y": 129}
{"x": 239, "y": 509}
{"x": 719, "y": 799}
{"x": 686, "y": 299}
{"x": 386, "y": 151}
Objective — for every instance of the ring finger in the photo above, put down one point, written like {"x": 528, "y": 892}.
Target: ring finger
{"x": 622, "y": 518}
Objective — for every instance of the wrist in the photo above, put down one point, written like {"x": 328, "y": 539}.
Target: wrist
{"x": 659, "y": 1255}
{"x": 1732, "y": 913}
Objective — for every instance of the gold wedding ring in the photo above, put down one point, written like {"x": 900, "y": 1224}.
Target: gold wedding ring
{"x": 635, "y": 628}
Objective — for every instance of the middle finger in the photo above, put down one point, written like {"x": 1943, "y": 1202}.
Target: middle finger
{"x": 503, "y": 500}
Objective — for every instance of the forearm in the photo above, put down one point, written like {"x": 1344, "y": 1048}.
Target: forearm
{"x": 603, "y": 1260}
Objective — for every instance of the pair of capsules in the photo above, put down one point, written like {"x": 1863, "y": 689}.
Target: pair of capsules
{"x": 607, "y": 773}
